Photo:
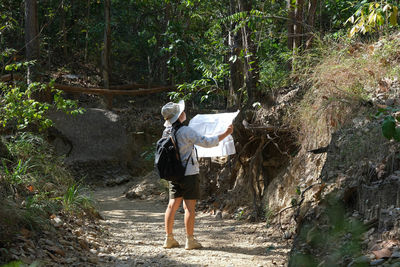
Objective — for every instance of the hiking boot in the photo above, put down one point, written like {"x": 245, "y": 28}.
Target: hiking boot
{"x": 170, "y": 242}
{"x": 192, "y": 243}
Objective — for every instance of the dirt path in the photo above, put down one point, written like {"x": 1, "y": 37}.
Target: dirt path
{"x": 136, "y": 233}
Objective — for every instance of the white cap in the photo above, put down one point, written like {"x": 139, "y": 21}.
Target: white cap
{"x": 171, "y": 112}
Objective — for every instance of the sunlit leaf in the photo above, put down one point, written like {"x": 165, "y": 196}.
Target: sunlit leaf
{"x": 386, "y": 7}
{"x": 393, "y": 16}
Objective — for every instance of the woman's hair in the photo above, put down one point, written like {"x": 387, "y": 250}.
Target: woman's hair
{"x": 177, "y": 123}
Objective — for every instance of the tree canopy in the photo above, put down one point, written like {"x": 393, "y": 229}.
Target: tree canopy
{"x": 237, "y": 49}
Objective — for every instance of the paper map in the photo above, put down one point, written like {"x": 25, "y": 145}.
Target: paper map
{"x": 211, "y": 125}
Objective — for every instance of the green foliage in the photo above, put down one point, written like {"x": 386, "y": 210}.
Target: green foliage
{"x": 19, "y": 107}
{"x": 18, "y": 172}
{"x": 372, "y": 15}
{"x": 273, "y": 66}
{"x": 75, "y": 198}
{"x": 337, "y": 237}
{"x": 211, "y": 83}
{"x": 7, "y": 22}
{"x": 19, "y": 65}
{"x": 149, "y": 152}
{"x": 390, "y": 128}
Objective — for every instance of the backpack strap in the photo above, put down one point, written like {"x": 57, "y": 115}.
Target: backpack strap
{"x": 174, "y": 130}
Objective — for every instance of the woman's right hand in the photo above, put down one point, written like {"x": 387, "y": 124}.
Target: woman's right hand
{"x": 229, "y": 130}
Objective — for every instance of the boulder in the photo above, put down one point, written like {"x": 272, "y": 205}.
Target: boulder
{"x": 94, "y": 143}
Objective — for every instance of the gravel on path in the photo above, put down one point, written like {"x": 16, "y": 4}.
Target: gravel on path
{"x": 135, "y": 232}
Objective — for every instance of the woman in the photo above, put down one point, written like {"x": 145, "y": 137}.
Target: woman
{"x": 188, "y": 190}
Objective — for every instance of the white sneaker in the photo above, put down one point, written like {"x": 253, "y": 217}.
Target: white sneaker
{"x": 170, "y": 242}
{"x": 192, "y": 243}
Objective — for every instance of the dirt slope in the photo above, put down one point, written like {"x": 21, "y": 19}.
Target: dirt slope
{"x": 135, "y": 232}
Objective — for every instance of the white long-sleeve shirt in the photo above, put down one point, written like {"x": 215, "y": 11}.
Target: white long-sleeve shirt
{"x": 187, "y": 138}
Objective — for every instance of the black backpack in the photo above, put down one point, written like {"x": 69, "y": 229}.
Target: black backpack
{"x": 167, "y": 159}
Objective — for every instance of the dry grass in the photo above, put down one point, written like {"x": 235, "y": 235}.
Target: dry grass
{"x": 344, "y": 80}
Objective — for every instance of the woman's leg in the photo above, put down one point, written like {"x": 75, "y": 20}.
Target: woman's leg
{"x": 172, "y": 207}
{"x": 191, "y": 242}
{"x": 189, "y": 206}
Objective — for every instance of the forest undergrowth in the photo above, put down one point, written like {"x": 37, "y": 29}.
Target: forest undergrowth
{"x": 36, "y": 191}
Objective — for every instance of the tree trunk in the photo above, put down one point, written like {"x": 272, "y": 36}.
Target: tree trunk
{"x": 298, "y": 27}
{"x": 312, "y": 9}
{"x": 290, "y": 30}
{"x": 107, "y": 44}
{"x": 236, "y": 67}
{"x": 164, "y": 58}
{"x": 87, "y": 30}
{"x": 290, "y": 25}
{"x": 31, "y": 37}
{"x": 64, "y": 29}
{"x": 251, "y": 67}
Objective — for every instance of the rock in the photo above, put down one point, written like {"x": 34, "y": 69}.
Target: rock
{"x": 396, "y": 254}
{"x": 226, "y": 215}
{"x": 218, "y": 215}
{"x": 97, "y": 138}
{"x": 367, "y": 234}
{"x": 57, "y": 222}
{"x": 362, "y": 259}
{"x": 287, "y": 235}
{"x": 132, "y": 195}
{"x": 356, "y": 214}
{"x": 122, "y": 179}
{"x": 377, "y": 262}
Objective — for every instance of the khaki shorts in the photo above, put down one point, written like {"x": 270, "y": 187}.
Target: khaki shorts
{"x": 189, "y": 188}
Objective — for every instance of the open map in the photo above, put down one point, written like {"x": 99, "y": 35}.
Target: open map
{"x": 211, "y": 125}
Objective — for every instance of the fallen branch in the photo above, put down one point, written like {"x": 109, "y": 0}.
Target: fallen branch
{"x": 10, "y": 77}
{"x": 108, "y": 93}
{"x": 102, "y": 91}
{"x": 114, "y": 90}
{"x": 133, "y": 86}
